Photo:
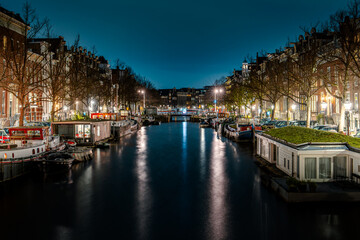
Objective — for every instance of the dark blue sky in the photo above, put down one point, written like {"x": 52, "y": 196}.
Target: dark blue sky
{"x": 181, "y": 43}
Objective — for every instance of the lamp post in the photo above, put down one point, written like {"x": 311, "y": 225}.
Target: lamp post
{"x": 347, "y": 116}
{"x": 216, "y": 92}
{"x": 143, "y": 93}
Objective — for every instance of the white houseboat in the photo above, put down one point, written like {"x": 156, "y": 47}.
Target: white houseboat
{"x": 87, "y": 132}
{"x": 317, "y": 162}
{"x": 26, "y": 144}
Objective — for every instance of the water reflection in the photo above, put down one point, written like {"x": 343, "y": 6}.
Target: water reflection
{"x": 184, "y": 148}
{"x": 137, "y": 190}
{"x": 202, "y": 153}
{"x": 143, "y": 192}
{"x": 218, "y": 191}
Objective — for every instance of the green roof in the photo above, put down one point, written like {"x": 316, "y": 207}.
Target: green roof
{"x": 299, "y": 135}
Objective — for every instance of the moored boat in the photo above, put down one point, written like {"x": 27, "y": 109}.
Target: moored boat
{"x": 205, "y": 124}
{"x": 55, "y": 162}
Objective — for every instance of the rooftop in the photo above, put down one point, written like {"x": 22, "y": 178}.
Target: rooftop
{"x": 301, "y": 135}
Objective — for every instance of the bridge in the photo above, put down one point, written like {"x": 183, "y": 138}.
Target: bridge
{"x": 180, "y": 117}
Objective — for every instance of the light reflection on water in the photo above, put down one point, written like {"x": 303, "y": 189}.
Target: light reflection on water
{"x": 202, "y": 153}
{"x": 143, "y": 189}
{"x": 149, "y": 186}
{"x": 218, "y": 191}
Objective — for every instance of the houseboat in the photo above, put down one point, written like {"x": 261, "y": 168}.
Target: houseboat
{"x": 26, "y": 145}
{"x": 85, "y": 133}
{"x": 317, "y": 162}
{"x": 121, "y": 128}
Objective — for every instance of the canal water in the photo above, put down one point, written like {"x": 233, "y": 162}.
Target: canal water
{"x": 173, "y": 181}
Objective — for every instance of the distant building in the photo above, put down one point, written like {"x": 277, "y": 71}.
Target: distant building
{"x": 182, "y": 98}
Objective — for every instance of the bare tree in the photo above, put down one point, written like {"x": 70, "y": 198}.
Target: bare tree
{"x": 23, "y": 76}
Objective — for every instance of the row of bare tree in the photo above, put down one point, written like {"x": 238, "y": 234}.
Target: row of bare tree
{"x": 44, "y": 69}
{"x": 319, "y": 61}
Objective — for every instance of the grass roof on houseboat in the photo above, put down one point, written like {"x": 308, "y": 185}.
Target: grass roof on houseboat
{"x": 298, "y": 135}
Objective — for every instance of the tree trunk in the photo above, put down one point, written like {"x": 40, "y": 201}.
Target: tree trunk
{"x": 52, "y": 112}
{"x": 22, "y": 113}
{"x": 273, "y": 111}
{"x": 308, "y": 114}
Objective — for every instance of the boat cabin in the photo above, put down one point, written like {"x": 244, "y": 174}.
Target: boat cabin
{"x": 84, "y": 132}
{"x": 29, "y": 135}
{"x": 105, "y": 116}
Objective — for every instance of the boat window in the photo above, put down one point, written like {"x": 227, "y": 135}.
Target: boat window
{"x": 33, "y": 151}
{"x": 13, "y": 155}
{"x": 33, "y": 133}
{"x": 310, "y": 168}
{"x": 325, "y": 167}
{"x": 38, "y": 151}
{"x": 87, "y": 131}
{"x": 79, "y": 131}
{"x": 17, "y": 133}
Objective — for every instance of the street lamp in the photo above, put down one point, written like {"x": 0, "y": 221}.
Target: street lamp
{"x": 216, "y": 92}
{"x": 143, "y": 93}
{"x": 347, "y": 116}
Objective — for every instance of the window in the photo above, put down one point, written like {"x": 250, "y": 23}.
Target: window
{"x": 356, "y": 101}
{"x": 4, "y": 42}
{"x": 314, "y": 101}
{"x": 347, "y": 96}
{"x": 340, "y": 167}
{"x": 325, "y": 167}
{"x": 288, "y": 163}
{"x": 3, "y": 103}
{"x": 336, "y": 76}
{"x": 310, "y": 168}
{"x": 298, "y": 167}
{"x": 10, "y": 104}
{"x": 284, "y": 162}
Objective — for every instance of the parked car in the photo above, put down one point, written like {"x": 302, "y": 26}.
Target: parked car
{"x": 331, "y": 128}
{"x": 269, "y": 125}
{"x": 357, "y": 135}
{"x": 280, "y": 124}
{"x": 297, "y": 123}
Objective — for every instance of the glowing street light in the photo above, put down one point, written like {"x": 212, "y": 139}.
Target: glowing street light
{"x": 217, "y": 90}
{"x": 143, "y": 93}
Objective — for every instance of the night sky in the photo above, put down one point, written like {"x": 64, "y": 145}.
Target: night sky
{"x": 181, "y": 43}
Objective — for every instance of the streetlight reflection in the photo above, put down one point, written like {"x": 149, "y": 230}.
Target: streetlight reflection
{"x": 143, "y": 197}
{"x": 218, "y": 190}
